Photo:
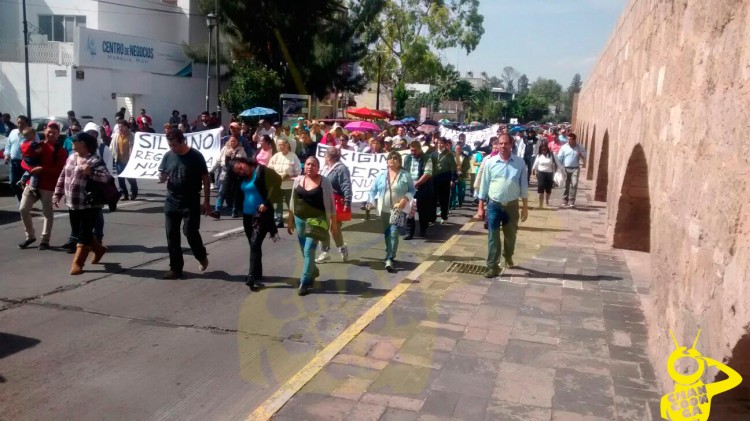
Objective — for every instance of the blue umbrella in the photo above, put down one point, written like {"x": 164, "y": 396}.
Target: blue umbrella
{"x": 257, "y": 112}
{"x": 408, "y": 120}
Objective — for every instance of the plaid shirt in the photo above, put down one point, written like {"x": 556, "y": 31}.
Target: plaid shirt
{"x": 72, "y": 181}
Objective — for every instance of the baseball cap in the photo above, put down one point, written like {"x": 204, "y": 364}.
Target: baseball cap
{"x": 53, "y": 125}
{"x": 234, "y": 124}
{"x": 388, "y": 139}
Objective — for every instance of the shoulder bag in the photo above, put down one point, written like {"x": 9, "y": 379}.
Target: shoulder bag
{"x": 315, "y": 228}
{"x": 398, "y": 217}
{"x": 102, "y": 193}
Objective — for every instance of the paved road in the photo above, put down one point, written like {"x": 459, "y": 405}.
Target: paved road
{"x": 118, "y": 342}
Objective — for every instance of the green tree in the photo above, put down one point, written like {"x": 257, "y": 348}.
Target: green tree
{"x": 509, "y": 77}
{"x": 493, "y": 81}
{"x": 400, "y": 95}
{"x": 547, "y": 90}
{"x": 483, "y": 106}
{"x": 408, "y": 32}
{"x": 527, "y": 108}
{"x": 523, "y": 85}
{"x": 574, "y": 88}
{"x": 462, "y": 91}
{"x": 312, "y": 45}
{"x": 252, "y": 85}
{"x": 431, "y": 101}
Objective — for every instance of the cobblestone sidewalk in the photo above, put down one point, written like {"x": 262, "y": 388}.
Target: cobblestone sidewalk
{"x": 562, "y": 337}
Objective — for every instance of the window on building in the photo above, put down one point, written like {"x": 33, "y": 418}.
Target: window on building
{"x": 59, "y": 27}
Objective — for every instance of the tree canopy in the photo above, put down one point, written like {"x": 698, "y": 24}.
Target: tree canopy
{"x": 312, "y": 45}
{"x": 407, "y": 32}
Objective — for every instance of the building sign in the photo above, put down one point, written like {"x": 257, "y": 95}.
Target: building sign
{"x": 109, "y": 50}
{"x": 294, "y": 106}
{"x": 149, "y": 150}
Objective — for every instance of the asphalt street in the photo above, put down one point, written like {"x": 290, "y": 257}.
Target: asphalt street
{"x": 119, "y": 342}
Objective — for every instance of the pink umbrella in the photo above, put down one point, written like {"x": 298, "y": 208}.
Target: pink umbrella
{"x": 362, "y": 126}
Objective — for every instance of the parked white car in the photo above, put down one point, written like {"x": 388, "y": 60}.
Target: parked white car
{"x": 4, "y": 169}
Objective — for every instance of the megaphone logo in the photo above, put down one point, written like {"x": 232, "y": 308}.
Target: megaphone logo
{"x": 691, "y": 398}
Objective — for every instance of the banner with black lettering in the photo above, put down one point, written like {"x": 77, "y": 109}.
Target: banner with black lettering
{"x": 363, "y": 168}
{"x": 149, "y": 149}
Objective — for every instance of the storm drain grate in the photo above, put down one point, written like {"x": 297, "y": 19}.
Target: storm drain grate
{"x": 466, "y": 268}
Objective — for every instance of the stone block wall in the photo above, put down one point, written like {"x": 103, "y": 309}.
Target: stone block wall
{"x": 666, "y": 113}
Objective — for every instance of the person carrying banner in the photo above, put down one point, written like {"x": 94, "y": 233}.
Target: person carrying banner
{"x": 122, "y": 145}
{"x": 338, "y": 174}
{"x": 184, "y": 169}
{"x": 419, "y": 165}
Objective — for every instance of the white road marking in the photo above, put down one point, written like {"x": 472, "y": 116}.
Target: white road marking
{"x": 228, "y": 232}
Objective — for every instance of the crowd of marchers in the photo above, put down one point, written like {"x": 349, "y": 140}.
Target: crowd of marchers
{"x": 265, "y": 169}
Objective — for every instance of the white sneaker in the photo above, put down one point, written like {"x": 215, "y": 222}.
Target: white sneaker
{"x": 389, "y": 265}
{"x": 442, "y": 221}
{"x": 324, "y": 257}
{"x": 344, "y": 253}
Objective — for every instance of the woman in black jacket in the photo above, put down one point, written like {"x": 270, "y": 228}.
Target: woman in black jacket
{"x": 261, "y": 187}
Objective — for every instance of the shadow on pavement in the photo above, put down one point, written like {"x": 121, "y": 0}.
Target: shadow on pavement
{"x": 153, "y": 209}
{"x": 135, "y": 248}
{"x": 537, "y": 229}
{"x": 371, "y": 226}
{"x": 531, "y": 273}
{"x": 10, "y": 344}
{"x": 214, "y": 275}
{"x": 347, "y": 287}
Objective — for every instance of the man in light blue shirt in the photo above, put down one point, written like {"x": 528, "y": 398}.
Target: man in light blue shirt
{"x": 503, "y": 181}
{"x": 12, "y": 155}
{"x": 570, "y": 156}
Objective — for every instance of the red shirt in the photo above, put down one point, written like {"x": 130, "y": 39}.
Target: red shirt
{"x": 139, "y": 121}
{"x": 51, "y": 167}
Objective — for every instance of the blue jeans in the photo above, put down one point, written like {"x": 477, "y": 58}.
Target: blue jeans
{"x": 308, "y": 246}
{"x": 284, "y": 197}
{"x": 510, "y": 229}
{"x": 14, "y": 175}
{"x": 571, "y": 184}
{"x": 390, "y": 234}
{"x": 121, "y": 181}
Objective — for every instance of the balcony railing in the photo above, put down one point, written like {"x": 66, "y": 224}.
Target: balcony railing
{"x": 53, "y": 52}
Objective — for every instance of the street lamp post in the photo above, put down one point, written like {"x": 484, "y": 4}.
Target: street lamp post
{"x": 218, "y": 64}
{"x": 26, "y": 60}
{"x": 210, "y": 23}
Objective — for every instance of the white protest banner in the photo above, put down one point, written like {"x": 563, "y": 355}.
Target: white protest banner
{"x": 363, "y": 168}
{"x": 149, "y": 149}
{"x": 471, "y": 137}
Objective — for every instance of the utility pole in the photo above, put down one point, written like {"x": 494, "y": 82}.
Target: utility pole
{"x": 26, "y": 60}
{"x": 218, "y": 65}
{"x": 377, "y": 100}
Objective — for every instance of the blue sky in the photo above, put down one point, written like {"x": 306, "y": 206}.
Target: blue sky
{"x": 554, "y": 39}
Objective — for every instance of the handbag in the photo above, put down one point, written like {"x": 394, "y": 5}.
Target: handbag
{"x": 398, "y": 216}
{"x": 101, "y": 193}
{"x": 316, "y": 228}
{"x": 341, "y": 214}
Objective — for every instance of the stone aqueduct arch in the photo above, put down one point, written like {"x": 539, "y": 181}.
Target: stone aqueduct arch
{"x": 602, "y": 172}
{"x": 591, "y": 151}
{"x": 633, "y": 225}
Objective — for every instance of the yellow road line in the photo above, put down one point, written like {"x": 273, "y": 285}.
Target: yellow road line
{"x": 296, "y": 382}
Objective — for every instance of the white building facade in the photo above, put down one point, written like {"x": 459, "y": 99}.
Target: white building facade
{"x": 95, "y": 56}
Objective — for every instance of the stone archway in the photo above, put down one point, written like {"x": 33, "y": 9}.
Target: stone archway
{"x": 602, "y": 173}
{"x": 633, "y": 226}
{"x": 591, "y": 153}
